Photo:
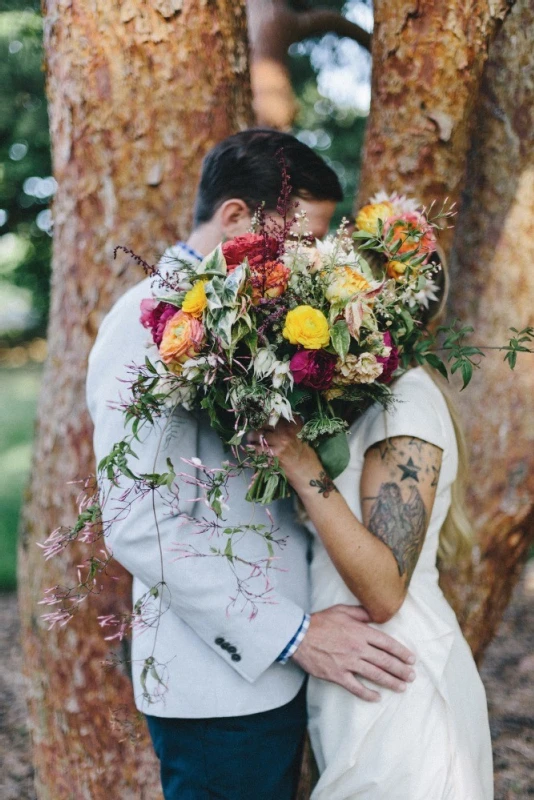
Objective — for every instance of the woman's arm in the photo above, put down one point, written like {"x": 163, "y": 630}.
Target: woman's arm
{"x": 376, "y": 559}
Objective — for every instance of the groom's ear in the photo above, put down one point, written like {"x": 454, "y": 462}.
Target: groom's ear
{"x": 234, "y": 217}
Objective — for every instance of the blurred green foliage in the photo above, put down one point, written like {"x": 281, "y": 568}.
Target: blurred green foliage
{"x": 18, "y": 401}
{"x": 24, "y": 159}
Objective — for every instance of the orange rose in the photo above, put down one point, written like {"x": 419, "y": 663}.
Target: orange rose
{"x": 268, "y": 280}
{"x": 414, "y": 233}
{"x": 183, "y": 337}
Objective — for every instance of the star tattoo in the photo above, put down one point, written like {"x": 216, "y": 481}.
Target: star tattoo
{"x": 409, "y": 470}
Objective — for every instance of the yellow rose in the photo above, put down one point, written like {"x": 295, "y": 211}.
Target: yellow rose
{"x": 395, "y": 269}
{"x": 195, "y": 300}
{"x": 307, "y": 326}
{"x": 344, "y": 283}
{"x": 368, "y": 216}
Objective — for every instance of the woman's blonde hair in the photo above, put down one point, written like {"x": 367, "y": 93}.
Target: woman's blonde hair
{"x": 456, "y": 535}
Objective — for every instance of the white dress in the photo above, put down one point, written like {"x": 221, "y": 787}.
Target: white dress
{"x": 431, "y": 742}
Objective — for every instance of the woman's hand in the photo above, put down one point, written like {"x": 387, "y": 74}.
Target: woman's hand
{"x": 298, "y": 460}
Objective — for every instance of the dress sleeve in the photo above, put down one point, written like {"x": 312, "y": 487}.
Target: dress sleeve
{"x": 415, "y": 411}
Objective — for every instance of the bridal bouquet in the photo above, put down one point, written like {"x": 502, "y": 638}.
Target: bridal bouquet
{"x": 272, "y": 325}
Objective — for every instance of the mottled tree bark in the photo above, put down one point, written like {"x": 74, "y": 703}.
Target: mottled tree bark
{"x": 493, "y": 289}
{"x": 428, "y": 58}
{"x": 138, "y": 92}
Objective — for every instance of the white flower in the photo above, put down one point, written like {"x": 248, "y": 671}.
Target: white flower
{"x": 400, "y": 203}
{"x": 264, "y": 362}
{"x": 424, "y": 295}
{"x": 282, "y": 375}
{"x": 279, "y": 407}
{"x": 177, "y": 393}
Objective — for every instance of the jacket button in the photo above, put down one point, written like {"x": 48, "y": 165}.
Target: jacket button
{"x": 219, "y": 640}
{"x": 231, "y": 649}
{"x": 225, "y": 645}
{"x": 236, "y": 657}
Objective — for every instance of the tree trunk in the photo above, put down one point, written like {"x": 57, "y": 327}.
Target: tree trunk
{"x": 417, "y": 142}
{"x": 428, "y": 58}
{"x": 493, "y": 289}
{"x": 138, "y": 92}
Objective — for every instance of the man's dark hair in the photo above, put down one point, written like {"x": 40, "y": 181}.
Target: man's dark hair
{"x": 246, "y": 166}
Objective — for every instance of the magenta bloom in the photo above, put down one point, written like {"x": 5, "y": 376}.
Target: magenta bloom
{"x": 154, "y": 315}
{"x": 313, "y": 368}
{"x": 390, "y": 362}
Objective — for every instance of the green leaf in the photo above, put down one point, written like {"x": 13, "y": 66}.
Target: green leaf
{"x": 334, "y": 454}
{"x": 175, "y": 299}
{"x": 436, "y": 363}
{"x": 228, "y": 549}
{"x": 340, "y": 338}
{"x": 213, "y": 264}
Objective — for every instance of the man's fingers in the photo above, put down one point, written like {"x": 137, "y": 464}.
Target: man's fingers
{"x": 381, "y": 678}
{"x": 356, "y": 612}
{"x": 385, "y": 642}
{"x": 387, "y": 663}
{"x": 354, "y": 686}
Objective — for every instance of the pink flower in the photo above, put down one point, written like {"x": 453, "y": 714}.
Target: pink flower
{"x": 154, "y": 315}
{"x": 414, "y": 232}
{"x": 390, "y": 362}
{"x": 313, "y": 368}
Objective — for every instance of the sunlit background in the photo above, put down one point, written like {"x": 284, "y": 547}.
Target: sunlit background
{"x": 331, "y": 78}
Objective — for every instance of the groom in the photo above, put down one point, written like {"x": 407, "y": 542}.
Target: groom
{"x": 231, "y": 720}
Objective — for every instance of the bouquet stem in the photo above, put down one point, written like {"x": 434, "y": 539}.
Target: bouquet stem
{"x": 268, "y": 484}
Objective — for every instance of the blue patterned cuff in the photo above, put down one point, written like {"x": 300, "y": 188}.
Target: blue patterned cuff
{"x": 291, "y": 646}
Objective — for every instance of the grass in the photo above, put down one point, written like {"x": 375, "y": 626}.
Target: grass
{"x": 18, "y": 402}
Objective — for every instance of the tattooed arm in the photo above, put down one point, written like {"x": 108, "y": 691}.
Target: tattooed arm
{"x": 398, "y": 487}
{"x": 376, "y": 559}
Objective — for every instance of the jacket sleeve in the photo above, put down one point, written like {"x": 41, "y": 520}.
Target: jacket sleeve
{"x": 198, "y": 589}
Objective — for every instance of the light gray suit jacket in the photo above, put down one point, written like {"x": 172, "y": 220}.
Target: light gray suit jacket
{"x": 215, "y": 660}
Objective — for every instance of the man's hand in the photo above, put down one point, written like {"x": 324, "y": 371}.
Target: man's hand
{"x": 339, "y": 645}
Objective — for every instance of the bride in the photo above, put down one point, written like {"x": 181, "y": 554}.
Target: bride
{"x": 378, "y": 531}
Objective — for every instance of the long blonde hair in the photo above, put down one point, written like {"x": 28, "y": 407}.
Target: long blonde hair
{"x": 456, "y": 535}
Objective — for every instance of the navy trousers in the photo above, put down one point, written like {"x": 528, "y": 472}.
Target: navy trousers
{"x": 254, "y": 757}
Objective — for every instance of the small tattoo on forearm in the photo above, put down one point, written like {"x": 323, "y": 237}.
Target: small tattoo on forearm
{"x": 324, "y": 484}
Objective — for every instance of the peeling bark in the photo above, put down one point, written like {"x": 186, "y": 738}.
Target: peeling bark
{"x": 138, "y": 93}
{"x": 428, "y": 58}
{"x": 493, "y": 289}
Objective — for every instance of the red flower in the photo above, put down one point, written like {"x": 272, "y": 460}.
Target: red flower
{"x": 154, "y": 315}
{"x": 258, "y": 249}
{"x": 313, "y": 368}
{"x": 390, "y": 362}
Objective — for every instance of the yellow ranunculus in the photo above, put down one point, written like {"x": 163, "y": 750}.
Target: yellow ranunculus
{"x": 368, "y": 216}
{"x": 307, "y": 326}
{"x": 344, "y": 282}
{"x": 395, "y": 269}
{"x": 195, "y": 300}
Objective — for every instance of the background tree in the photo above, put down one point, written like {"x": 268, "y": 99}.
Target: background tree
{"x": 493, "y": 289}
{"x": 137, "y": 94}
{"x": 435, "y": 82}
{"x": 274, "y": 25}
